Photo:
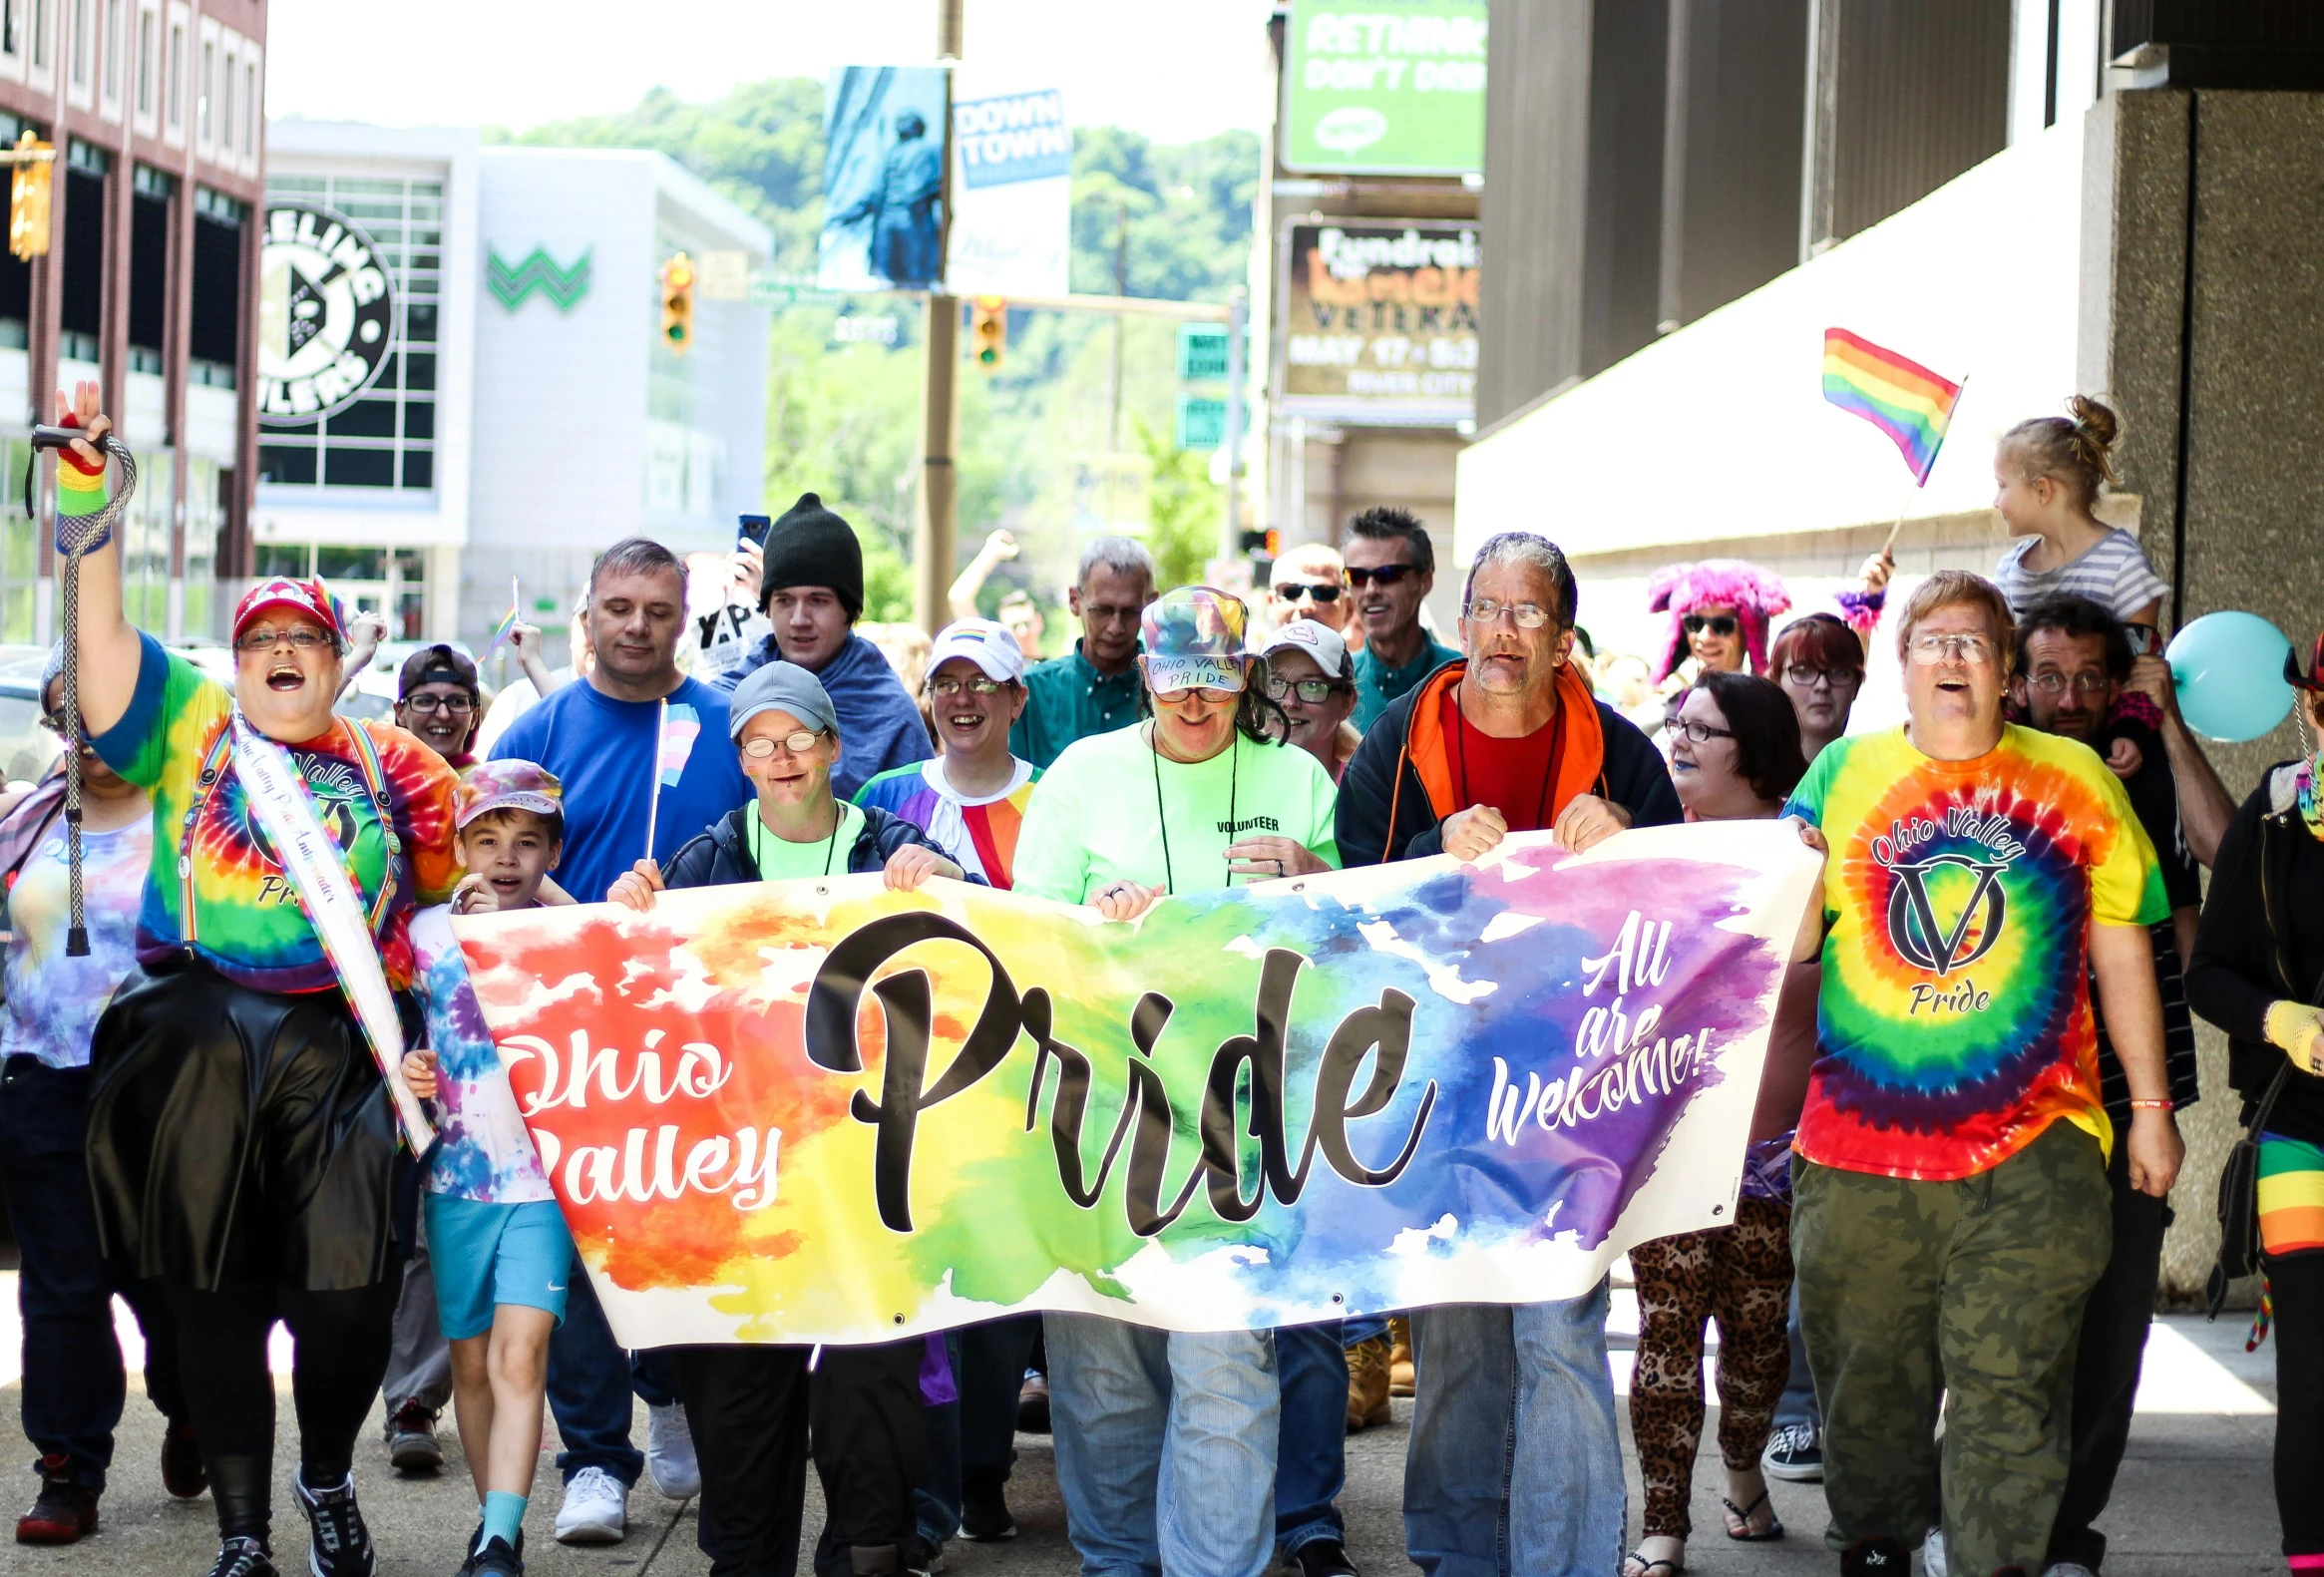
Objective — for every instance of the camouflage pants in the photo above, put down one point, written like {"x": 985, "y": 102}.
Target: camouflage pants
{"x": 1970, "y": 1292}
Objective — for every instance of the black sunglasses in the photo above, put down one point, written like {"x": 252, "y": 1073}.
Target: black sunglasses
{"x": 1716, "y": 623}
{"x": 1385, "y": 574}
{"x": 1293, "y": 591}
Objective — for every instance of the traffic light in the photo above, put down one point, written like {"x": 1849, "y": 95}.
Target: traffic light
{"x": 988, "y": 331}
{"x": 1265, "y": 543}
{"x": 677, "y": 304}
{"x": 27, "y": 199}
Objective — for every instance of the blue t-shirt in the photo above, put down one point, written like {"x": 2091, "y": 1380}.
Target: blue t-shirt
{"x": 605, "y": 753}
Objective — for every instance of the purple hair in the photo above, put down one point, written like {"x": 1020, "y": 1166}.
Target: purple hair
{"x": 1756, "y": 595}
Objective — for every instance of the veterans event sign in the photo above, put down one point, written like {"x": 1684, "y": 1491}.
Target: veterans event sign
{"x": 820, "y": 1111}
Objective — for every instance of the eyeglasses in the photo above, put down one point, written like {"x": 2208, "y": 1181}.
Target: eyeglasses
{"x": 1929, "y": 650}
{"x": 798, "y": 743}
{"x": 1385, "y": 574}
{"x": 454, "y": 704}
{"x": 1807, "y": 677}
{"x": 2084, "y": 684}
{"x": 980, "y": 684}
{"x": 1485, "y": 610}
{"x": 1701, "y": 733}
{"x": 302, "y": 637}
{"x": 1715, "y": 623}
{"x": 1216, "y": 697}
{"x": 1293, "y": 591}
{"x": 1313, "y": 691}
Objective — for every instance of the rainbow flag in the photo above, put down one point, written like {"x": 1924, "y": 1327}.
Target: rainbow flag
{"x": 1902, "y": 398}
{"x": 508, "y": 625}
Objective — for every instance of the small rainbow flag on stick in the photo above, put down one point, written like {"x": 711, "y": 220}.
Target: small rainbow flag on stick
{"x": 508, "y": 625}
{"x": 1902, "y": 398}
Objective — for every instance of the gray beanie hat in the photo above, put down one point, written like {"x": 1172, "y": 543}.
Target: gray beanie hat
{"x": 781, "y": 687}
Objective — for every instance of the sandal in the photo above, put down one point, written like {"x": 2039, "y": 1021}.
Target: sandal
{"x": 1635, "y": 1564}
{"x": 1743, "y": 1514}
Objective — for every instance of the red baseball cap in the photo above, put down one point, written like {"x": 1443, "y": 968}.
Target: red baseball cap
{"x": 303, "y": 597}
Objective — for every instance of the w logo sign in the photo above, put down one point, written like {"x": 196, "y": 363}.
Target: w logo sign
{"x": 511, "y": 284}
{"x": 1942, "y": 929}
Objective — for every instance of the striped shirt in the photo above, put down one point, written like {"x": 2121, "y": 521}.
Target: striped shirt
{"x": 2112, "y": 573}
{"x": 2178, "y": 1037}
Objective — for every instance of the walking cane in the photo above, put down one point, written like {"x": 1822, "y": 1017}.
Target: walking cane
{"x": 83, "y": 535}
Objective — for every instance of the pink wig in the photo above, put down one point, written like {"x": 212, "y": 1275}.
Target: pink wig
{"x": 1756, "y": 595}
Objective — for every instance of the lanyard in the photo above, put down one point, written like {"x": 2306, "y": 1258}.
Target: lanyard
{"x": 1162, "y": 815}
{"x": 758, "y": 838}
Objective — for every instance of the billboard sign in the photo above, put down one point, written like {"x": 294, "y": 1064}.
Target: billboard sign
{"x": 883, "y": 179}
{"x": 1012, "y": 192}
{"x": 1385, "y": 87}
{"x": 1378, "y": 322}
{"x": 326, "y": 313}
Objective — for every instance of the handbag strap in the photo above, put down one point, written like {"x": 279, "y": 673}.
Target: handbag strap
{"x": 2266, "y": 1107}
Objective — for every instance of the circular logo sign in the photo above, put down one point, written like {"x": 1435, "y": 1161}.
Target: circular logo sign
{"x": 326, "y": 314}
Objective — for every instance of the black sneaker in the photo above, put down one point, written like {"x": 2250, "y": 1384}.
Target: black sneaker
{"x": 984, "y": 1517}
{"x": 63, "y": 1510}
{"x": 243, "y": 1557}
{"x": 183, "y": 1473}
{"x": 1875, "y": 1558}
{"x": 342, "y": 1545}
{"x": 496, "y": 1556}
{"x": 1795, "y": 1454}
{"x": 1322, "y": 1558}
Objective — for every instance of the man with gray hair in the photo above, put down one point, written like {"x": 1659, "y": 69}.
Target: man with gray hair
{"x": 1515, "y": 1459}
{"x": 1093, "y": 688}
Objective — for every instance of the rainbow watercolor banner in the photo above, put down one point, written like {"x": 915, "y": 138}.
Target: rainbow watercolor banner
{"x": 820, "y": 1111}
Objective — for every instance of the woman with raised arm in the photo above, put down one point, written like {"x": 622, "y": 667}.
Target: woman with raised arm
{"x": 242, "y": 1139}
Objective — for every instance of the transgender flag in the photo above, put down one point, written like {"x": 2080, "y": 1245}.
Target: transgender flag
{"x": 681, "y": 725}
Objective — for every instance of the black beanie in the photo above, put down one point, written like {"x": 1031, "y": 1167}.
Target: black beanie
{"x": 810, "y": 546}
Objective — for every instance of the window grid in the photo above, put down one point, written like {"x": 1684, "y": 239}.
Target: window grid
{"x": 113, "y": 49}
{"x": 177, "y": 93}
{"x": 386, "y": 439}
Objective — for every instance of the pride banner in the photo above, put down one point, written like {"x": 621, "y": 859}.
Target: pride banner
{"x": 820, "y": 1111}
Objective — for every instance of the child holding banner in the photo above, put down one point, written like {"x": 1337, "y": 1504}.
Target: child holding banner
{"x": 503, "y": 1256}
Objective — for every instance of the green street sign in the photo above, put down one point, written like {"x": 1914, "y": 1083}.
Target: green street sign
{"x": 1202, "y": 353}
{"x": 789, "y": 290}
{"x": 1201, "y": 421}
{"x": 1385, "y": 87}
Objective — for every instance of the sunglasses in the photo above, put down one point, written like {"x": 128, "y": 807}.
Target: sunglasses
{"x": 1385, "y": 574}
{"x": 798, "y": 743}
{"x": 1293, "y": 591}
{"x": 1715, "y": 623}
{"x": 948, "y": 686}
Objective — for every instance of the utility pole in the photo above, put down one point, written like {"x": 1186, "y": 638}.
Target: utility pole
{"x": 1238, "y": 329}
{"x": 937, "y": 527}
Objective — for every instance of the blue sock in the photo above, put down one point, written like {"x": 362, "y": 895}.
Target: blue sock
{"x": 503, "y": 1516}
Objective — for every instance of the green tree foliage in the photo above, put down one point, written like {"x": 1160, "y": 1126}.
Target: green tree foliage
{"x": 1184, "y": 507}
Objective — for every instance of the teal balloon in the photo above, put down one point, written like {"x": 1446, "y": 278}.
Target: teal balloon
{"x": 2229, "y": 668}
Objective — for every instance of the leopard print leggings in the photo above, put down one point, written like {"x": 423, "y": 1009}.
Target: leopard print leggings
{"x": 1740, "y": 1276}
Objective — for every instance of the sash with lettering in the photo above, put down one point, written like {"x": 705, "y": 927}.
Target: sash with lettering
{"x": 317, "y": 866}
{"x": 821, "y": 1111}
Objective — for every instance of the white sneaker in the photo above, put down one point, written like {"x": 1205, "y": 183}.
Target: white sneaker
{"x": 1932, "y": 1553}
{"x": 669, "y": 1453}
{"x": 596, "y": 1509}
{"x": 2070, "y": 1569}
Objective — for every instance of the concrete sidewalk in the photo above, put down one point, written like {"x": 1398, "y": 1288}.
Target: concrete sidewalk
{"x": 2195, "y": 1496}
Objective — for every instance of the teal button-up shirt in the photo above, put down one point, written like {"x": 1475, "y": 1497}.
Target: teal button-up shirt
{"x": 1376, "y": 684}
{"x": 1066, "y": 698}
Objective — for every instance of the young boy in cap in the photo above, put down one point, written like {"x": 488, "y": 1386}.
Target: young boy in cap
{"x": 503, "y": 1254}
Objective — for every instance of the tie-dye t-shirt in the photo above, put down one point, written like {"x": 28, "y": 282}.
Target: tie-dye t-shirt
{"x": 486, "y": 1154}
{"x": 54, "y": 998}
{"x": 246, "y": 921}
{"x": 977, "y": 835}
{"x": 1954, "y": 1024}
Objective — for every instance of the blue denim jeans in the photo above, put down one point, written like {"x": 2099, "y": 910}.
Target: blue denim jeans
{"x": 1363, "y": 1329}
{"x": 1514, "y": 1466}
{"x": 1797, "y": 1404}
{"x": 935, "y": 1499}
{"x": 1310, "y": 1453}
{"x": 591, "y": 1381}
{"x": 1165, "y": 1446}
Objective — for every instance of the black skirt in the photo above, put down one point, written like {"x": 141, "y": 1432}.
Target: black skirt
{"x": 242, "y": 1136}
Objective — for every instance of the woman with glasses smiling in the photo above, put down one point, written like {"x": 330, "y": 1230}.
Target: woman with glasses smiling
{"x": 1203, "y": 795}
{"x": 749, "y": 1405}
{"x": 1820, "y": 662}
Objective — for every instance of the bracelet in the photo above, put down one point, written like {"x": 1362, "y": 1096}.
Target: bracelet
{"x": 2150, "y": 1106}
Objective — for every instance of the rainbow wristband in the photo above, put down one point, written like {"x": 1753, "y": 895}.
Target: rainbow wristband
{"x": 80, "y": 493}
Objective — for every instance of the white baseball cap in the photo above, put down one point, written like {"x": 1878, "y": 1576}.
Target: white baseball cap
{"x": 987, "y": 645}
{"x": 1320, "y": 641}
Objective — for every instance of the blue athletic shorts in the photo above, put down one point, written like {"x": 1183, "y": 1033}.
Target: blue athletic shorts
{"x": 485, "y": 1254}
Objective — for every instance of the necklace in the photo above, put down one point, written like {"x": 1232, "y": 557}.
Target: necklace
{"x": 758, "y": 839}
{"x": 1162, "y": 815}
{"x": 1460, "y": 752}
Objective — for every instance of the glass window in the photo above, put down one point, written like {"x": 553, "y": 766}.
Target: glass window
{"x": 351, "y": 563}
{"x": 420, "y": 322}
{"x": 202, "y": 106}
{"x": 250, "y": 110}
{"x": 226, "y": 108}
{"x": 178, "y": 75}
{"x": 40, "y": 33}
{"x": 80, "y": 44}
{"x": 287, "y": 463}
{"x": 112, "y": 49}
{"x": 146, "y": 63}
{"x": 419, "y": 469}
{"x": 280, "y": 557}
{"x": 420, "y": 371}
{"x": 364, "y": 419}
{"x": 358, "y": 468}
{"x": 419, "y": 419}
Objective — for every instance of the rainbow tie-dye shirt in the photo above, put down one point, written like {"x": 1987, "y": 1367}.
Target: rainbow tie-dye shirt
{"x": 1954, "y": 1024}
{"x": 246, "y": 922}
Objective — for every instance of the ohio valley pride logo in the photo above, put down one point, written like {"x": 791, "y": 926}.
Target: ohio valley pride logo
{"x": 1947, "y": 908}
{"x": 326, "y": 314}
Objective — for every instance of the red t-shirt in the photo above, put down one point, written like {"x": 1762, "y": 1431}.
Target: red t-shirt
{"x": 1517, "y": 777}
